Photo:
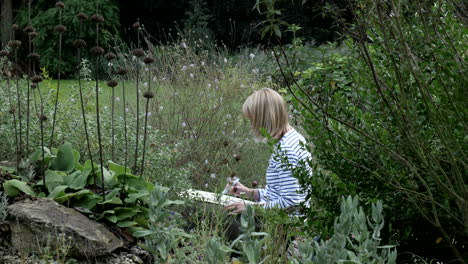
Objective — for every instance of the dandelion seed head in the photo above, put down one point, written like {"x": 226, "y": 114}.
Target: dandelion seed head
{"x": 225, "y": 60}
{"x": 191, "y": 75}
{"x": 192, "y": 65}
{"x": 184, "y": 68}
{"x": 209, "y": 85}
{"x": 252, "y": 55}
{"x": 184, "y": 124}
{"x": 206, "y": 161}
{"x": 255, "y": 71}
{"x": 202, "y": 63}
{"x": 161, "y": 108}
{"x": 117, "y": 99}
{"x": 126, "y": 110}
{"x": 212, "y": 176}
{"x": 145, "y": 84}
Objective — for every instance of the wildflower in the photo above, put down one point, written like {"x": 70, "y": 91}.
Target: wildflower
{"x": 225, "y": 60}
{"x": 110, "y": 56}
{"x": 138, "y": 52}
{"x": 184, "y": 68}
{"x": 148, "y": 94}
{"x": 60, "y": 28}
{"x": 82, "y": 16}
{"x": 97, "y": 51}
{"x": 60, "y": 5}
{"x": 192, "y": 65}
{"x": 117, "y": 99}
{"x": 126, "y": 110}
{"x": 216, "y": 81}
{"x": 212, "y": 176}
{"x": 112, "y": 83}
{"x": 184, "y": 124}
{"x": 202, "y": 63}
{"x": 148, "y": 60}
{"x": 191, "y": 75}
{"x": 209, "y": 85}
{"x": 14, "y": 44}
{"x": 79, "y": 43}
{"x": 110, "y": 64}
{"x": 37, "y": 79}
{"x": 161, "y": 108}
{"x": 254, "y": 184}
{"x": 97, "y": 18}
{"x": 255, "y": 71}
{"x": 206, "y": 162}
{"x": 252, "y": 55}
{"x": 145, "y": 84}
{"x": 134, "y": 58}
{"x": 122, "y": 71}
{"x": 28, "y": 29}
{"x": 154, "y": 79}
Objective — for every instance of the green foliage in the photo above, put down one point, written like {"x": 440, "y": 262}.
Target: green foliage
{"x": 388, "y": 121}
{"x": 356, "y": 238}
{"x": 44, "y": 17}
{"x": 162, "y": 236}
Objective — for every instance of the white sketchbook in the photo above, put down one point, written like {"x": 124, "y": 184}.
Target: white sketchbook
{"x": 215, "y": 198}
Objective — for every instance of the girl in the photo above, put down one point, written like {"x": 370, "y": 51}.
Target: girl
{"x": 266, "y": 109}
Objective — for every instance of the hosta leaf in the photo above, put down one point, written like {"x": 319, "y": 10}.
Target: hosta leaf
{"x": 124, "y": 212}
{"x": 13, "y": 187}
{"x": 118, "y": 169}
{"x": 126, "y": 224}
{"x": 65, "y": 160}
{"x": 58, "y": 191}
{"x": 54, "y": 179}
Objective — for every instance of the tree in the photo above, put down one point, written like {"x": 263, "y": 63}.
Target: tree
{"x": 6, "y": 20}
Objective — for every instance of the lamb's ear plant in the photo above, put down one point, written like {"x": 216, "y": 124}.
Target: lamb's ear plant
{"x": 14, "y": 45}
{"x": 97, "y": 52}
{"x": 122, "y": 72}
{"x": 60, "y": 29}
{"x": 112, "y": 83}
{"x": 148, "y": 95}
{"x": 138, "y": 53}
{"x": 80, "y": 44}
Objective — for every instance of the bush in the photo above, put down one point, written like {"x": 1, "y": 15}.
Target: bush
{"x": 388, "y": 121}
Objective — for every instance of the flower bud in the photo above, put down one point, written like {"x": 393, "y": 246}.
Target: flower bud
{"x": 32, "y": 34}
{"x": 82, "y": 16}
{"x": 28, "y": 29}
{"x": 60, "y": 5}
{"x": 97, "y": 18}
{"x": 112, "y": 83}
{"x": 14, "y": 44}
{"x": 122, "y": 71}
{"x": 138, "y": 52}
{"x": 43, "y": 118}
{"x": 79, "y": 43}
{"x": 148, "y": 94}
{"x": 110, "y": 56}
{"x": 14, "y": 27}
{"x": 37, "y": 79}
{"x": 33, "y": 85}
{"x": 148, "y": 60}
{"x": 97, "y": 51}
{"x": 136, "y": 25}
{"x": 4, "y": 53}
{"x": 60, "y": 28}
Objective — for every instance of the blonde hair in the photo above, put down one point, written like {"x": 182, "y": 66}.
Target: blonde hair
{"x": 266, "y": 109}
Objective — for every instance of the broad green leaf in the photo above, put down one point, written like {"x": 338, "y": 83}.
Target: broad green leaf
{"x": 126, "y": 224}
{"x": 118, "y": 169}
{"x": 58, "y": 191}
{"x": 132, "y": 197}
{"x": 78, "y": 179}
{"x": 65, "y": 160}
{"x": 54, "y": 179}
{"x": 13, "y": 187}
{"x": 7, "y": 169}
{"x": 88, "y": 200}
{"x": 113, "y": 200}
{"x": 124, "y": 212}
{"x": 112, "y": 218}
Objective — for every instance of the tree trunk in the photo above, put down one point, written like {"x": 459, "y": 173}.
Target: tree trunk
{"x": 6, "y": 19}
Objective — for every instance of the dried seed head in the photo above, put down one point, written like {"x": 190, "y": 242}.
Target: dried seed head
{"x": 60, "y": 28}
{"x": 97, "y": 51}
{"x": 112, "y": 83}
{"x": 148, "y": 94}
{"x": 14, "y": 44}
{"x": 6, "y": 73}
{"x": 32, "y": 34}
{"x": 12, "y": 110}
{"x": 79, "y": 43}
{"x": 136, "y": 25}
{"x": 237, "y": 157}
{"x": 34, "y": 56}
{"x": 14, "y": 27}
{"x": 33, "y": 85}
{"x": 138, "y": 52}
{"x": 97, "y": 18}
{"x": 122, "y": 71}
{"x": 82, "y": 16}
{"x": 28, "y": 29}
{"x": 37, "y": 79}
{"x": 43, "y": 118}
{"x": 60, "y": 5}
{"x": 4, "y": 53}
{"x": 148, "y": 60}
{"x": 110, "y": 56}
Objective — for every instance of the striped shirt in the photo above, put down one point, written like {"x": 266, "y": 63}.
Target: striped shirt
{"x": 282, "y": 188}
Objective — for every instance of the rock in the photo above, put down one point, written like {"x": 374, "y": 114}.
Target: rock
{"x": 40, "y": 222}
